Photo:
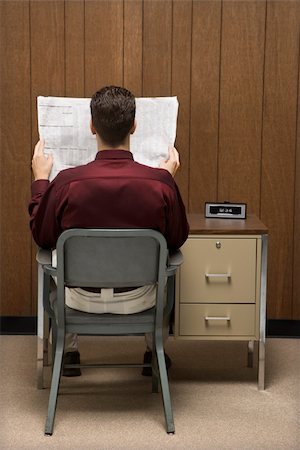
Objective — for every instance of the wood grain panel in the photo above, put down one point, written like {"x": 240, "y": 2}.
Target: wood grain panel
{"x": 278, "y": 159}
{"x": 204, "y": 103}
{"x": 241, "y": 93}
{"x": 296, "y": 267}
{"x": 74, "y": 48}
{"x": 157, "y": 48}
{"x": 103, "y": 44}
{"x": 133, "y": 46}
{"x": 47, "y": 52}
{"x": 181, "y": 86}
{"x": 15, "y": 159}
{"x": 47, "y": 70}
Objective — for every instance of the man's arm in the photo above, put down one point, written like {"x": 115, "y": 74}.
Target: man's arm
{"x": 171, "y": 164}
{"x": 177, "y": 227}
{"x": 42, "y": 207}
{"x": 41, "y": 164}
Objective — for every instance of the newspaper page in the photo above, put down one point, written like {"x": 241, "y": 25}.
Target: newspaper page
{"x": 64, "y": 124}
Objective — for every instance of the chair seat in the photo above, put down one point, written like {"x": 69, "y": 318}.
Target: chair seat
{"x": 109, "y": 324}
{"x": 79, "y": 317}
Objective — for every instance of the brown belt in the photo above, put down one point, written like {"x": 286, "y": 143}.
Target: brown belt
{"x": 116, "y": 290}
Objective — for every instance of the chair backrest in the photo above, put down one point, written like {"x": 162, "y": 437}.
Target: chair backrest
{"x": 110, "y": 257}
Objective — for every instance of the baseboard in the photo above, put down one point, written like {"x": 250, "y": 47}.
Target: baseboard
{"x": 18, "y": 325}
{"x": 283, "y": 328}
{"x": 28, "y": 325}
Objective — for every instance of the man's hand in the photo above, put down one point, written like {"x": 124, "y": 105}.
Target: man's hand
{"x": 172, "y": 163}
{"x": 41, "y": 164}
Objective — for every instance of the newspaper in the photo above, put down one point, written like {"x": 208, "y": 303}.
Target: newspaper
{"x": 64, "y": 124}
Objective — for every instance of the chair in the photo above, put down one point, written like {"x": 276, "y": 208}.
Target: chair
{"x": 43, "y": 257}
{"x": 110, "y": 258}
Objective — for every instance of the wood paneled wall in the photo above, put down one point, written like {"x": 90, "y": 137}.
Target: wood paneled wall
{"x": 234, "y": 66}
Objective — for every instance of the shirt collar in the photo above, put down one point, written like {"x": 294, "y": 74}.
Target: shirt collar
{"x": 114, "y": 154}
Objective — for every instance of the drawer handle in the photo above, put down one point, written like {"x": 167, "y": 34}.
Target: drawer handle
{"x": 218, "y": 275}
{"x": 217, "y": 318}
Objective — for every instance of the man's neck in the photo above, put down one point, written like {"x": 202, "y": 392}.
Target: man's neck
{"x": 103, "y": 146}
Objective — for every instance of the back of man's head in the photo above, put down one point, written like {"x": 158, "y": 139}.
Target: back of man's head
{"x": 113, "y": 113}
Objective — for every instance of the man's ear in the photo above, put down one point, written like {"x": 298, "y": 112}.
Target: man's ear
{"x": 133, "y": 128}
{"x": 92, "y": 127}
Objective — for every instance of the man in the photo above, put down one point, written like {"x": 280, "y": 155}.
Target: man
{"x": 113, "y": 191}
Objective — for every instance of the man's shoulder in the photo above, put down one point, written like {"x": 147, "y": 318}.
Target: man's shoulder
{"x": 70, "y": 174}
{"x": 134, "y": 170}
{"x": 155, "y": 173}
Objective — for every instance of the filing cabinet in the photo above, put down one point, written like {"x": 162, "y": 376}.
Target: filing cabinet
{"x": 221, "y": 285}
{"x": 218, "y": 292}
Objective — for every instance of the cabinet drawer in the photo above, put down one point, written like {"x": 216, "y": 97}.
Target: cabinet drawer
{"x": 218, "y": 270}
{"x": 217, "y": 320}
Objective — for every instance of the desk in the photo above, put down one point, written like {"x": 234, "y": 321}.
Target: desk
{"x": 221, "y": 286}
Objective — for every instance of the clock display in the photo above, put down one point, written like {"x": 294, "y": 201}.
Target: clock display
{"x": 225, "y": 210}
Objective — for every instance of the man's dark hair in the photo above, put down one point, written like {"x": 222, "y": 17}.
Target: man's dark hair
{"x": 113, "y": 113}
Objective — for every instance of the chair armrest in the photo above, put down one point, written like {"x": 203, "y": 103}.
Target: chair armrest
{"x": 176, "y": 258}
{"x": 171, "y": 270}
{"x": 175, "y": 261}
{"x": 43, "y": 256}
{"x": 49, "y": 270}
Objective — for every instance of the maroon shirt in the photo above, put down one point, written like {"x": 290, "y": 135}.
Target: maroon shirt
{"x": 113, "y": 191}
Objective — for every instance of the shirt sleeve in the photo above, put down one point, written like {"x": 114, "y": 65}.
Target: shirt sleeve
{"x": 177, "y": 227}
{"x": 43, "y": 211}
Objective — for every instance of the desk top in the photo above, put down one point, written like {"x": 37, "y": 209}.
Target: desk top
{"x": 200, "y": 225}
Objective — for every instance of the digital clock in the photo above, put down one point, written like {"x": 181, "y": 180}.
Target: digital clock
{"x": 225, "y": 210}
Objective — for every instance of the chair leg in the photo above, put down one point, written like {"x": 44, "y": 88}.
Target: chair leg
{"x": 165, "y": 388}
{"x": 43, "y": 352}
{"x": 47, "y": 324}
{"x": 54, "y": 332}
{"x": 250, "y": 354}
{"x": 57, "y": 366}
{"x": 155, "y": 378}
{"x": 40, "y": 363}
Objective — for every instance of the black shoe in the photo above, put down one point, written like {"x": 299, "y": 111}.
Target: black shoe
{"x": 147, "y": 371}
{"x": 71, "y": 358}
